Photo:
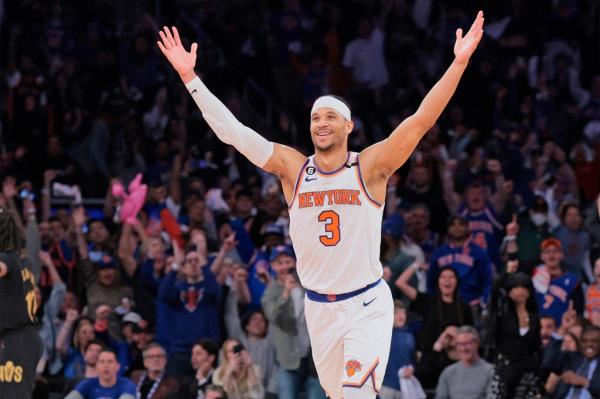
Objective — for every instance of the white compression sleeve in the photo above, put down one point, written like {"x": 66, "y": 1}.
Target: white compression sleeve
{"x": 227, "y": 128}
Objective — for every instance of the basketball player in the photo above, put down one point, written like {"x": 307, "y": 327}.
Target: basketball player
{"x": 335, "y": 203}
{"x": 20, "y": 343}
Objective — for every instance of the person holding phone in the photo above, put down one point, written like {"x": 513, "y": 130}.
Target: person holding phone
{"x": 237, "y": 374}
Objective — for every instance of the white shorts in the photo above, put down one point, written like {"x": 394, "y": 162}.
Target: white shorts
{"x": 351, "y": 339}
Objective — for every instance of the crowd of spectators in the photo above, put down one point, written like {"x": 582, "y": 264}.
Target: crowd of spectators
{"x": 490, "y": 241}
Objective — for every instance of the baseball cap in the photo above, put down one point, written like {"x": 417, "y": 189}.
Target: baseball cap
{"x": 279, "y": 250}
{"x": 105, "y": 261}
{"x": 551, "y": 242}
{"x": 132, "y": 317}
{"x": 272, "y": 230}
{"x": 393, "y": 226}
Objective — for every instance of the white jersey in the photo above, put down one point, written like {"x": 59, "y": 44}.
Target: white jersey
{"x": 335, "y": 227}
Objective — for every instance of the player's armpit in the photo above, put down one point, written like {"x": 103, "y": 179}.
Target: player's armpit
{"x": 3, "y": 269}
{"x": 285, "y": 163}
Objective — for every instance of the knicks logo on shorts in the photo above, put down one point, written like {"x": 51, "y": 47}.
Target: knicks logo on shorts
{"x": 352, "y": 367}
{"x": 10, "y": 372}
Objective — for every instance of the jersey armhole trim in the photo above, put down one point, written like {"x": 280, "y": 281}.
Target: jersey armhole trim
{"x": 298, "y": 182}
{"x": 363, "y": 186}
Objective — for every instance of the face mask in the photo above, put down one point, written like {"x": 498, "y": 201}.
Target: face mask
{"x": 538, "y": 219}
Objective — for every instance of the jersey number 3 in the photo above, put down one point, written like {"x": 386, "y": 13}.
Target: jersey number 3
{"x": 332, "y": 228}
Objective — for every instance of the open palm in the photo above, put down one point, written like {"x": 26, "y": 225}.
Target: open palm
{"x": 465, "y": 46}
{"x": 170, "y": 45}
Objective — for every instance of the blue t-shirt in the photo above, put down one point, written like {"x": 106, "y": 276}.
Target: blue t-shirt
{"x": 90, "y": 388}
{"x": 402, "y": 353}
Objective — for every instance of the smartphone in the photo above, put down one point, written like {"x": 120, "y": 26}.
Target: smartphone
{"x": 26, "y": 194}
{"x": 238, "y": 348}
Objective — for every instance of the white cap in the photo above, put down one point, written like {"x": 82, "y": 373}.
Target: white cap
{"x": 132, "y": 317}
{"x": 333, "y": 103}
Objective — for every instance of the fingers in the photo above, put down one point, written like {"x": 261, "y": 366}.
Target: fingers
{"x": 169, "y": 36}
{"x": 165, "y": 41}
{"x": 459, "y": 33}
{"x": 176, "y": 36}
{"x": 194, "y": 48}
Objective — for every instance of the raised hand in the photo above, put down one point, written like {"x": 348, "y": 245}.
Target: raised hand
{"x": 9, "y": 188}
{"x": 182, "y": 61}
{"x": 465, "y": 46}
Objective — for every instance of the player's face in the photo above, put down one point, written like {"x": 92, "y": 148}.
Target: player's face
{"x": 552, "y": 256}
{"x": 257, "y": 325}
{"x": 447, "y": 282}
{"x": 107, "y": 365}
{"x": 155, "y": 359}
{"x": 467, "y": 346}
{"x": 329, "y": 129}
{"x": 476, "y": 199}
{"x": 91, "y": 354}
{"x": 590, "y": 344}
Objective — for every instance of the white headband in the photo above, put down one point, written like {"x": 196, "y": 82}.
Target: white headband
{"x": 333, "y": 103}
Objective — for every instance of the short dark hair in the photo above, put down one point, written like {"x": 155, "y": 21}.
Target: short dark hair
{"x": 210, "y": 347}
{"x": 216, "y": 388}
{"x": 95, "y": 342}
{"x": 109, "y": 350}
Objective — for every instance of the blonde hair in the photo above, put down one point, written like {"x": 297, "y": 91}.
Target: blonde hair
{"x": 239, "y": 384}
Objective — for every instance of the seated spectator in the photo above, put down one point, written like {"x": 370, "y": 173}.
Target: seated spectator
{"x": 579, "y": 371}
{"x": 152, "y": 383}
{"x": 73, "y": 354}
{"x": 547, "y": 328}
{"x": 516, "y": 336}
{"x": 471, "y": 376}
{"x": 204, "y": 361}
{"x": 193, "y": 297}
{"x": 402, "y": 355}
{"x": 468, "y": 259}
{"x": 215, "y": 392}
{"x": 237, "y": 374}
{"x": 92, "y": 350}
{"x": 438, "y": 313}
{"x": 575, "y": 242}
{"x": 555, "y": 288}
{"x": 108, "y": 384}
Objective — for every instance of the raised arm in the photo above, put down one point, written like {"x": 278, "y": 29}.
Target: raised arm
{"x": 388, "y": 155}
{"x": 228, "y": 129}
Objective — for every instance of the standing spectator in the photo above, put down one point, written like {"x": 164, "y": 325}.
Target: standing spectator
{"x": 555, "y": 288}
{"x": 283, "y": 304}
{"x": 575, "y": 243}
{"x": 152, "y": 383}
{"x": 108, "y": 384}
{"x": 471, "y": 376}
{"x": 533, "y": 229}
{"x": 402, "y": 360}
{"x": 439, "y": 312}
{"x": 468, "y": 259}
{"x": 237, "y": 374}
{"x": 592, "y": 297}
{"x": 252, "y": 332}
{"x": 579, "y": 371}
{"x": 516, "y": 335}
{"x": 193, "y": 297}
{"x": 73, "y": 355}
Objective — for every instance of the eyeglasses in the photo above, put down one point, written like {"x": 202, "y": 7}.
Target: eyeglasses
{"x": 154, "y": 356}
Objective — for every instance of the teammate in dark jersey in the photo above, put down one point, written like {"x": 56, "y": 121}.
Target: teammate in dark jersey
{"x": 20, "y": 343}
